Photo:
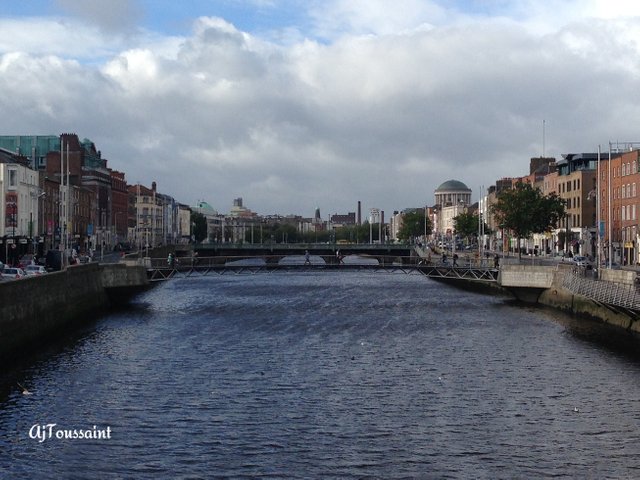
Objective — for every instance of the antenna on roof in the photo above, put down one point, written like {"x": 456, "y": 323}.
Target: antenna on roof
{"x": 543, "y": 139}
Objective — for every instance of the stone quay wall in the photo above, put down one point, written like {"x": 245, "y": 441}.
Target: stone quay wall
{"x": 33, "y": 308}
{"x": 557, "y": 295}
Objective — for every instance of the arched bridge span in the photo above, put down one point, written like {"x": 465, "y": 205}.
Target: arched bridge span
{"x": 330, "y": 253}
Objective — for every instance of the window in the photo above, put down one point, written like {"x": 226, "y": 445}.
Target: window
{"x": 624, "y": 170}
{"x": 633, "y": 190}
{"x": 634, "y": 167}
{"x": 13, "y": 178}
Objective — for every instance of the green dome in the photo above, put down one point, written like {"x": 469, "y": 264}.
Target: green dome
{"x": 453, "y": 186}
{"x": 205, "y": 208}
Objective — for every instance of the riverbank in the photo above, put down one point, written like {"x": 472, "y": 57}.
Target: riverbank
{"x": 547, "y": 285}
{"x": 560, "y": 297}
{"x": 33, "y": 309}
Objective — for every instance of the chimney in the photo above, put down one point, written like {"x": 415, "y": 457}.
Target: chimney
{"x": 153, "y": 186}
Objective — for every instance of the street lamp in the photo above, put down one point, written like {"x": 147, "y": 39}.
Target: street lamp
{"x": 115, "y": 225}
{"x": 425, "y": 224}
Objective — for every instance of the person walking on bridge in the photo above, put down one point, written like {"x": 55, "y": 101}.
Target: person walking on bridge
{"x": 306, "y": 258}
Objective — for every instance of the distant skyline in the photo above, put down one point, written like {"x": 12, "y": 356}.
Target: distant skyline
{"x": 294, "y": 104}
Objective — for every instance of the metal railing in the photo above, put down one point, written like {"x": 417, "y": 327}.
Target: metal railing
{"x": 609, "y": 293}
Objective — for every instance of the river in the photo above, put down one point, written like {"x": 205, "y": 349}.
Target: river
{"x": 324, "y": 375}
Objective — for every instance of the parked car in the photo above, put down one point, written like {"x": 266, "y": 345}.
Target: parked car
{"x": 12, "y": 273}
{"x": 32, "y": 270}
{"x": 581, "y": 261}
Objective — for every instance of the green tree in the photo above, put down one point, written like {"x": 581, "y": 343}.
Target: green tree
{"x": 199, "y": 226}
{"x": 466, "y": 225}
{"x": 413, "y": 225}
{"x": 286, "y": 233}
{"x": 525, "y": 210}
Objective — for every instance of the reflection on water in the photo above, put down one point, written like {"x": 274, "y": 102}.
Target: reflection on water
{"x": 328, "y": 375}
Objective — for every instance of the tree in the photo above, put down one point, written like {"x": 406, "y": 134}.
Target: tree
{"x": 199, "y": 226}
{"x": 525, "y": 210}
{"x": 466, "y": 224}
{"x": 413, "y": 225}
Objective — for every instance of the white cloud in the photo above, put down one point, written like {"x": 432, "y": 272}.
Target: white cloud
{"x": 374, "y": 17}
{"x": 383, "y": 114}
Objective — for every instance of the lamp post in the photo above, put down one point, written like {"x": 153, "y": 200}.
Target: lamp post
{"x": 14, "y": 208}
{"x": 14, "y": 218}
{"x": 115, "y": 225}
{"x": 425, "y": 225}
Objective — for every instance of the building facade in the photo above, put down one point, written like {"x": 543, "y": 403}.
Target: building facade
{"x": 451, "y": 199}
{"x": 20, "y": 206}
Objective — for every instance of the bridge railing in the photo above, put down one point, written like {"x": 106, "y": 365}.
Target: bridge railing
{"x": 199, "y": 262}
{"x": 610, "y": 293}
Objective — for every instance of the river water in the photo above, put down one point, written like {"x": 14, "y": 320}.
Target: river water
{"x": 324, "y": 375}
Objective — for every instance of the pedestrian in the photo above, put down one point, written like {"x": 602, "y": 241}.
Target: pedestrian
{"x": 306, "y": 258}
{"x": 444, "y": 257}
{"x": 455, "y": 259}
{"x": 496, "y": 261}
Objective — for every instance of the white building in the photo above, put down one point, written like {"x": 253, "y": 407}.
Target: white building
{"x": 452, "y": 198}
{"x": 20, "y": 189}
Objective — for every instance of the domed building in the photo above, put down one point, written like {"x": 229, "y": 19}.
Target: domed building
{"x": 453, "y": 192}
{"x": 213, "y": 220}
{"x": 452, "y": 198}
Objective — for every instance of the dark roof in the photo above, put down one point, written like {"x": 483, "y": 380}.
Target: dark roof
{"x": 453, "y": 185}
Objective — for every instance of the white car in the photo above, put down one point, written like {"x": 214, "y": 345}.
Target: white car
{"x": 581, "y": 261}
{"x": 12, "y": 273}
{"x": 32, "y": 270}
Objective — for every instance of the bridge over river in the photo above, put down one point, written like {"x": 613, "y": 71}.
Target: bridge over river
{"x": 273, "y": 253}
{"x": 160, "y": 269}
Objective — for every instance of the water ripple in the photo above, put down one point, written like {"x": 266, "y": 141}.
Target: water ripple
{"x": 328, "y": 376}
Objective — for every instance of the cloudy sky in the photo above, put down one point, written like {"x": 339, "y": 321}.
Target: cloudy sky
{"x": 298, "y": 104}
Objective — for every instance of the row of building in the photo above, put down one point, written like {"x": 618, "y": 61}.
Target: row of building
{"x": 600, "y": 191}
{"x": 59, "y": 193}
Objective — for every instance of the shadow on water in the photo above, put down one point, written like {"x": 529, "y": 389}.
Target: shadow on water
{"x": 19, "y": 369}
{"x": 615, "y": 340}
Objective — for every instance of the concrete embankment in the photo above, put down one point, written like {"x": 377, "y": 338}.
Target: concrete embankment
{"x": 546, "y": 285}
{"x": 32, "y": 309}
{"x": 557, "y": 296}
